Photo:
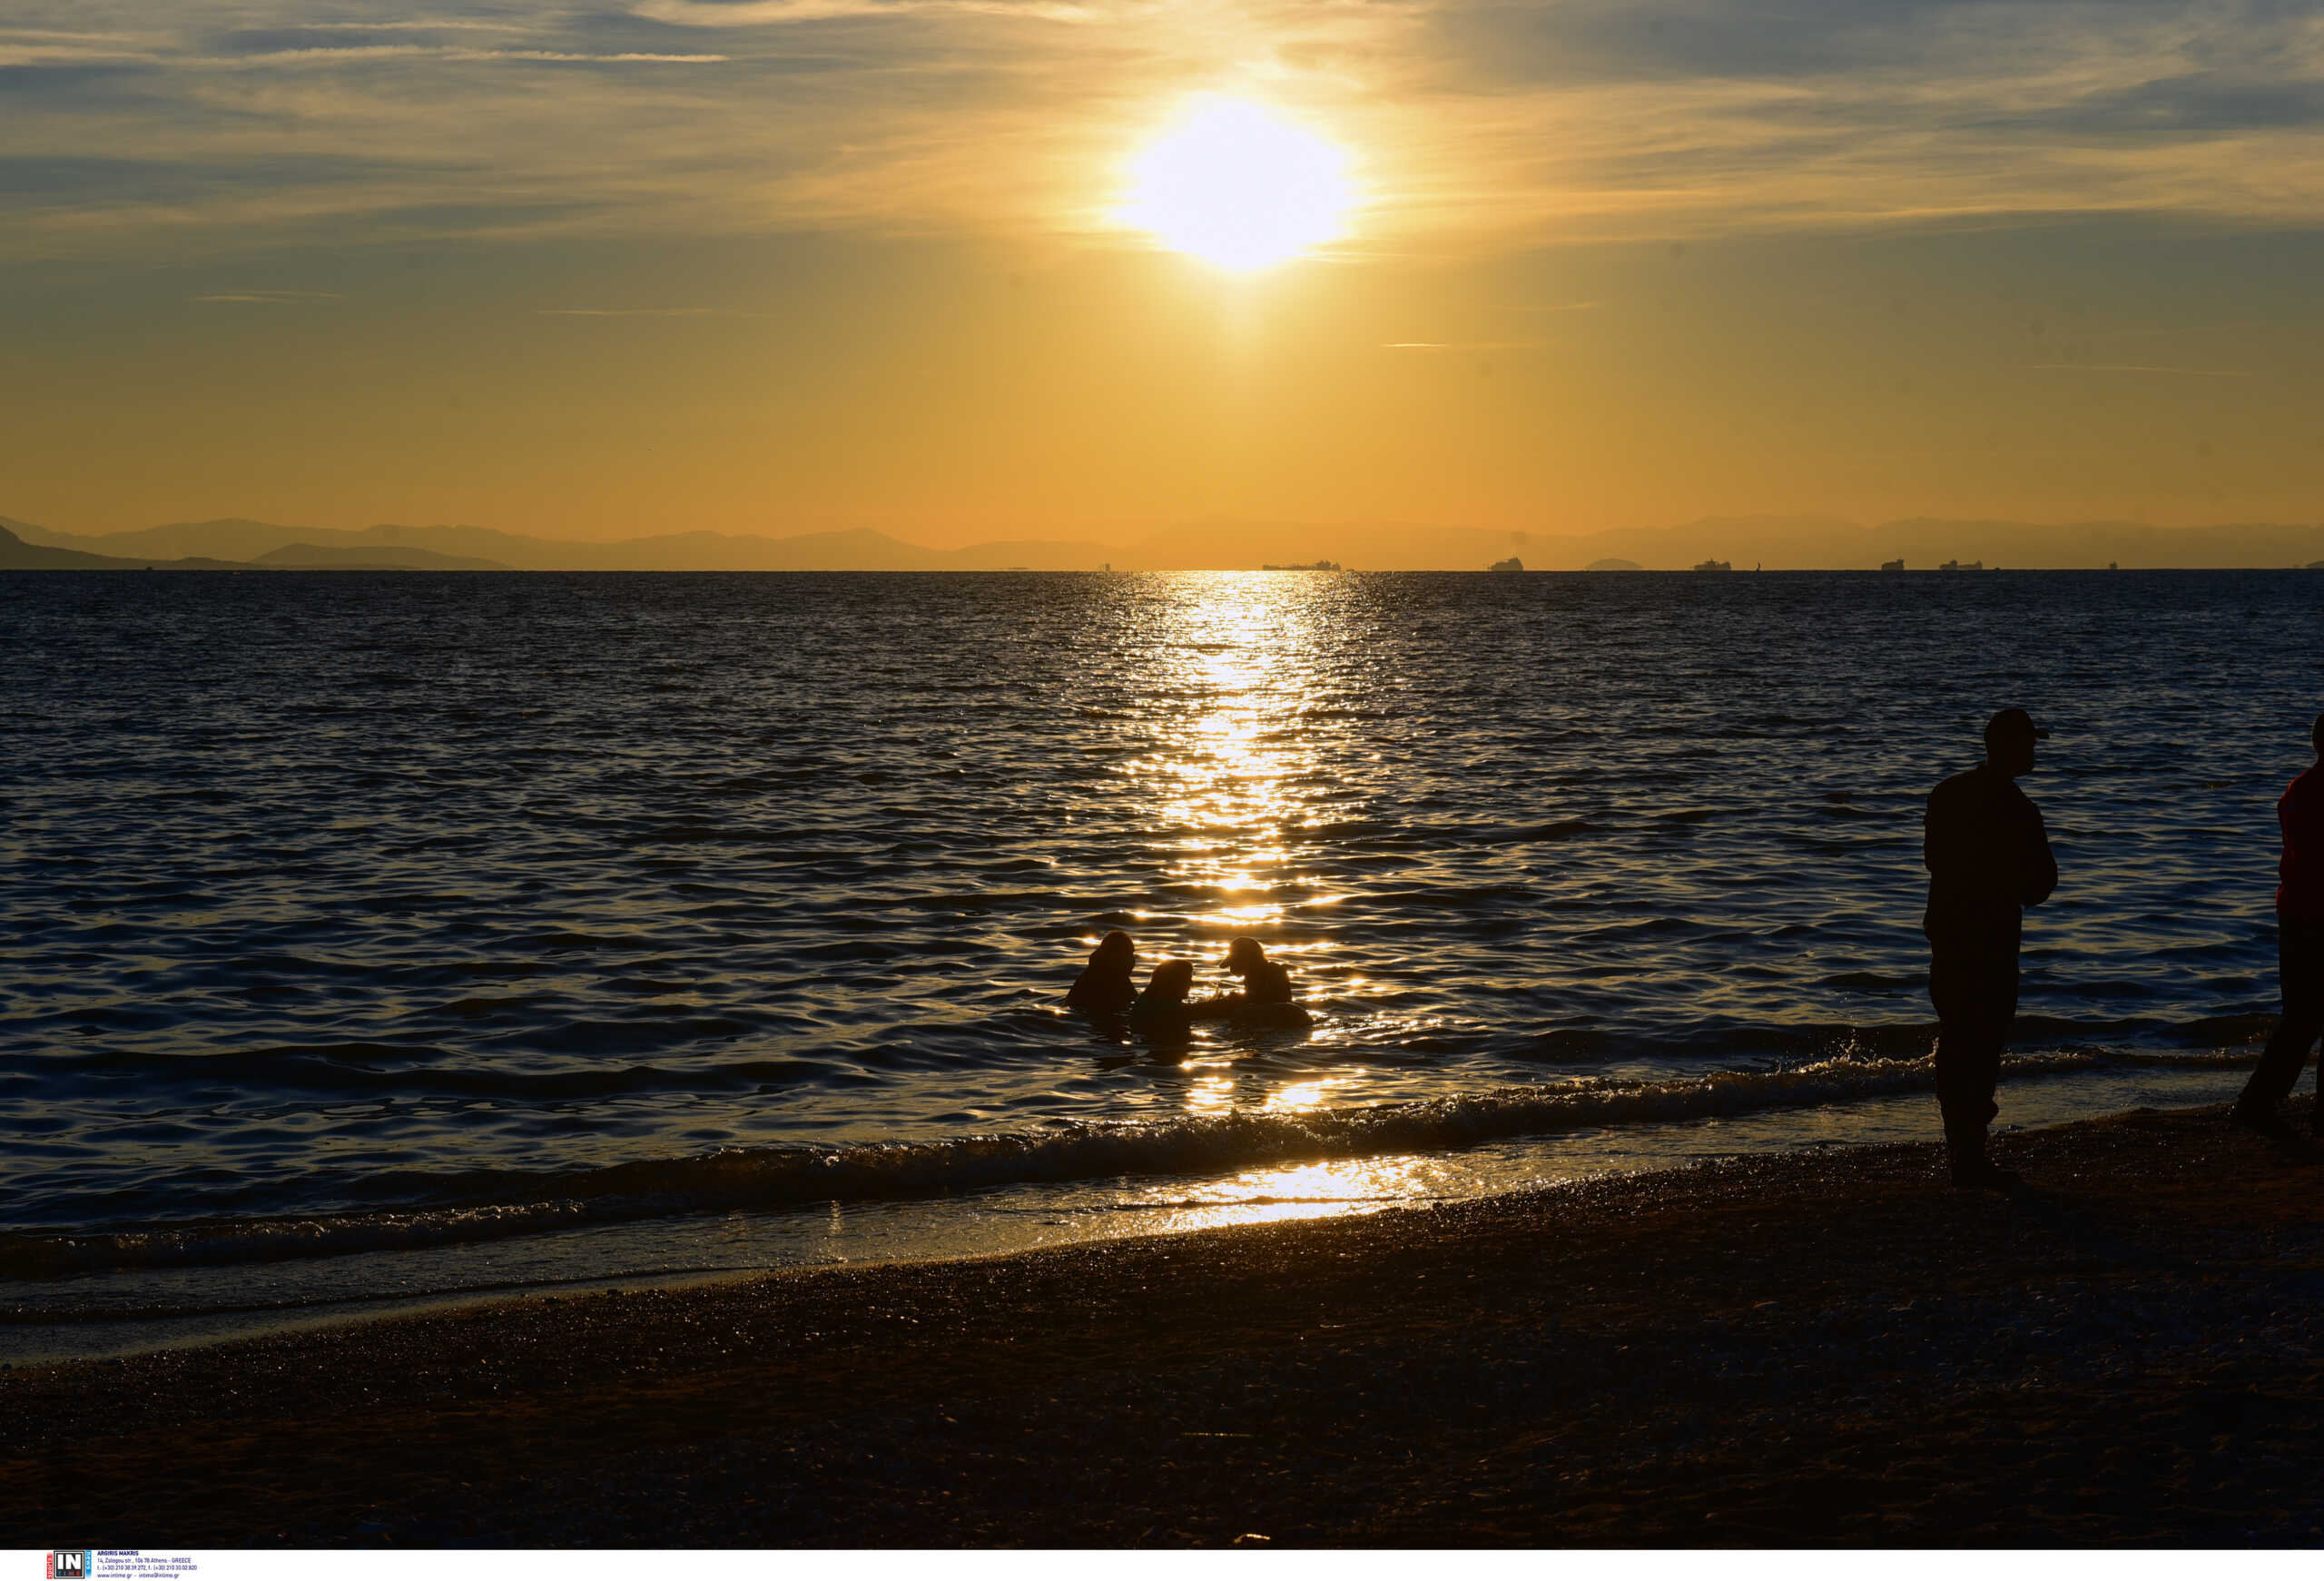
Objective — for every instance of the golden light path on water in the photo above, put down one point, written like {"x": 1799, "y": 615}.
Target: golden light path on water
{"x": 1228, "y": 765}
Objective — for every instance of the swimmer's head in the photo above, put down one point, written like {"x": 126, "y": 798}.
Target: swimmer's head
{"x": 1172, "y": 980}
{"x": 1115, "y": 952}
{"x": 1246, "y": 955}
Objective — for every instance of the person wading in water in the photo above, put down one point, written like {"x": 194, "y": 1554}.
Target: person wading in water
{"x": 1105, "y": 984}
{"x": 2300, "y": 958}
{"x": 1160, "y": 1013}
{"x": 1988, "y": 859}
{"x": 1265, "y": 999}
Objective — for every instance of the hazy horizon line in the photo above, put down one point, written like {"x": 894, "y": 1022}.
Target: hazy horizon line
{"x": 1076, "y": 533}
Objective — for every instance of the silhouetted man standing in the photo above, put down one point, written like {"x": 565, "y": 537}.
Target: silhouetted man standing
{"x": 2300, "y": 956}
{"x": 1988, "y": 859}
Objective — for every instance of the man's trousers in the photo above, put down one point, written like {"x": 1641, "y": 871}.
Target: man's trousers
{"x": 2299, "y": 957}
{"x": 1974, "y": 983}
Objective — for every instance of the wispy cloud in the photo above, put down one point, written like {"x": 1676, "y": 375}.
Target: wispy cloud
{"x": 32, "y": 48}
{"x": 1475, "y": 125}
{"x": 269, "y": 297}
{"x": 777, "y": 13}
{"x": 420, "y": 24}
{"x": 2137, "y": 367}
{"x": 2223, "y": 327}
{"x": 649, "y": 313}
{"x": 340, "y": 55}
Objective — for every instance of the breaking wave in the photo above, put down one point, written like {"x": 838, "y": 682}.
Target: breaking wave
{"x": 494, "y": 1204}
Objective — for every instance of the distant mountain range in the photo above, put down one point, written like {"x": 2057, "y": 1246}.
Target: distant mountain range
{"x": 1778, "y": 543}
{"x": 23, "y": 547}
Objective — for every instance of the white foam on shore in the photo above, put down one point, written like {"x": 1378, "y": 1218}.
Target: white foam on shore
{"x": 519, "y": 1205}
{"x": 126, "y": 1308}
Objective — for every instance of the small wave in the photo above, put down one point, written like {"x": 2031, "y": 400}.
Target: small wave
{"x": 406, "y": 1068}
{"x": 1884, "y": 982}
{"x": 488, "y": 1204}
{"x": 2215, "y": 1032}
{"x": 30, "y": 1314}
{"x": 2187, "y": 1059}
{"x": 1563, "y": 829}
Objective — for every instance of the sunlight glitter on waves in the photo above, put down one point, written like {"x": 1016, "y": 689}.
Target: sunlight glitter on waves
{"x": 1232, "y": 771}
{"x": 1211, "y": 1095}
{"x": 1315, "y": 1190}
{"x": 1226, "y": 770}
{"x": 1222, "y": 1088}
{"x": 1299, "y": 1097}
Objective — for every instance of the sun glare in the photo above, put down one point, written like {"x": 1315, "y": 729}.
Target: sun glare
{"x": 1239, "y": 187}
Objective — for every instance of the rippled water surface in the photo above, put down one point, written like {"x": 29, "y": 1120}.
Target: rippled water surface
{"x": 494, "y": 898}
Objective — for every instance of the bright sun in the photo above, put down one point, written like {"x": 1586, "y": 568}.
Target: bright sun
{"x": 1239, "y": 187}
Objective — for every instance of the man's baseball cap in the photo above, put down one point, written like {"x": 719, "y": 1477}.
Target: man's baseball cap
{"x": 2015, "y": 722}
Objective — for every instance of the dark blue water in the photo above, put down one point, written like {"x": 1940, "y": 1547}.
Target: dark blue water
{"x": 368, "y": 906}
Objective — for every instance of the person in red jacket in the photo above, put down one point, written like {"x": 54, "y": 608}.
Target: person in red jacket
{"x": 2300, "y": 956}
{"x": 1988, "y": 858}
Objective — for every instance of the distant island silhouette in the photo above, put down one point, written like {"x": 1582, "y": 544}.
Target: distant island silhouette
{"x": 16, "y": 555}
{"x": 1778, "y": 543}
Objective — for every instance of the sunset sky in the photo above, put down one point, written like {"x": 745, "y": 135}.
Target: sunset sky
{"x": 778, "y": 265}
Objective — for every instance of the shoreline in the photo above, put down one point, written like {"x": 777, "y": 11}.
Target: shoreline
{"x": 1800, "y": 1349}
{"x": 1489, "y": 1142}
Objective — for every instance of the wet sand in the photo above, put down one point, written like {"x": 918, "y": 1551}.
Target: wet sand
{"x": 1811, "y": 1349}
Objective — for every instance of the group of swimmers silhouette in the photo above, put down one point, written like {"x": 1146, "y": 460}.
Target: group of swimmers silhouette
{"x": 1161, "y": 1012}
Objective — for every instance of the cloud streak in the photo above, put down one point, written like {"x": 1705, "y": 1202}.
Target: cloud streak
{"x": 648, "y": 313}
{"x": 778, "y": 13}
{"x": 2136, "y": 367}
{"x": 358, "y": 52}
{"x": 1475, "y": 126}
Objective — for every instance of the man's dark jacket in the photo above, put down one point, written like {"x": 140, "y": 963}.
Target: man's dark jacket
{"x": 1988, "y": 858}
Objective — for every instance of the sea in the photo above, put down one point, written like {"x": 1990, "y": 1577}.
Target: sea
{"x": 381, "y": 941}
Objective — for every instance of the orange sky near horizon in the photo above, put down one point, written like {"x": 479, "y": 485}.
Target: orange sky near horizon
{"x": 781, "y": 266}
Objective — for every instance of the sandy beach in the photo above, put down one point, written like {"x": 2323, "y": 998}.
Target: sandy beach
{"x": 1826, "y": 1349}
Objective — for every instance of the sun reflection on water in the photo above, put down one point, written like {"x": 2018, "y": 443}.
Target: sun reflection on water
{"x": 1235, "y": 763}
{"x": 1298, "y": 1097}
{"x": 1211, "y": 1095}
{"x": 1230, "y": 749}
{"x": 1329, "y": 1190}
